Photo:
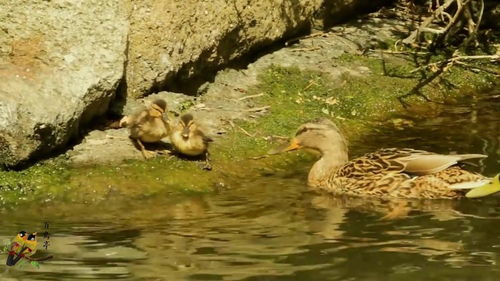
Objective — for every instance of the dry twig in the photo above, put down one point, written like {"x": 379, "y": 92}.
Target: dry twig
{"x": 256, "y": 109}
{"x": 457, "y": 16}
{"x": 305, "y": 49}
{"x": 251, "y": 97}
{"x": 449, "y": 62}
{"x": 246, "y": 132}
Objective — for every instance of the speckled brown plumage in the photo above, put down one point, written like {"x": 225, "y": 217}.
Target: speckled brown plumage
{"x": 382, "y": 174}
{"x": 385, "y": 173}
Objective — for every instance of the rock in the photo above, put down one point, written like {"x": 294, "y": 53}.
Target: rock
{"x": 176, "y": 103}
{"x": 175, "y": 40}
{"x": 60, "y": 62}
{"x": 63, "y": 61}
{"x": 99, "y": 147}
{"x": 226, "y": 99}
{"x": 171, "y": 42}
{"x": 335, "y": 12}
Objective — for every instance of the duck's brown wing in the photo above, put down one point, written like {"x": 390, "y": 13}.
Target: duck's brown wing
{"x": 375, "y": 174}
{"x": 383, "y": 161}
{"x": 406, "y": 173}
{"x": 415, "y": 162}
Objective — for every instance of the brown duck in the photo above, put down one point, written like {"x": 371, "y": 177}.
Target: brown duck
{"x": 389, "y": 172}
{"x": 148, "y": 126}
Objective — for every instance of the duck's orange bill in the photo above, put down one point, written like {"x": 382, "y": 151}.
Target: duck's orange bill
{"x": 293, "y": 145}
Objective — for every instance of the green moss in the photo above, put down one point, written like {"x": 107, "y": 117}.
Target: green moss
{"x": 356, "y": 102}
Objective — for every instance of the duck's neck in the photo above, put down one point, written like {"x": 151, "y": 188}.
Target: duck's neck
{"x": 329, "y": 162}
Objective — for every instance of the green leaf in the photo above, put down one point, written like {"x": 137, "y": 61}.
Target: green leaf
{"x": 35, "y": 264}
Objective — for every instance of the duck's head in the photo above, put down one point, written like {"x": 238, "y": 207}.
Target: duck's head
{"x": 320, "y": 135}
{"x": 158, "y": 107}
{"x": 187, "y": 125}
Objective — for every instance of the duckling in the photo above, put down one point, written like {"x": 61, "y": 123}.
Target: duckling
{"x": 148, "y": 126}
{"x": 386, "y": 173}
{"x": 15, "y": 248}
{"x": 188, "y": 139}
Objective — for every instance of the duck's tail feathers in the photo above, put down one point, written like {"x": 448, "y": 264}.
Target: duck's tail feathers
{"x": 470, "y": 184}
{"x": 491, "y": 187}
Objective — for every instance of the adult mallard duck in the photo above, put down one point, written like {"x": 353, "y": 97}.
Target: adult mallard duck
{"x": 148, "y": 126}
{"x": 390, "y": 172}
{"x": 188, "y": 139}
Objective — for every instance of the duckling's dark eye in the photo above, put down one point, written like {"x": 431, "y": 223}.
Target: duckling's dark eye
{"x": 31, "y": 237}
{"x": 22, "y": 233}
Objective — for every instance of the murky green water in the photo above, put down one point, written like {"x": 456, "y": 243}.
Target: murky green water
{"x": 274, "y": 228}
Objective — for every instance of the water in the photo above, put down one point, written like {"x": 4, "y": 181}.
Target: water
{"x": 273, "y": 228}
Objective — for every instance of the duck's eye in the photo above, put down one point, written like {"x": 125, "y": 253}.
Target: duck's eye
{"x": 22, "y": 233}
{"x": 31, "y": 237}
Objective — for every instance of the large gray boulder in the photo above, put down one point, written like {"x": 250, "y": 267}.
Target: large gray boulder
{"x": 63, "y": 61}
{"x": 172, "y": 41}
{"x": 60, "y": 64}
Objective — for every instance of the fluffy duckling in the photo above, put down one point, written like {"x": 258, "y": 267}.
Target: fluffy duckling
{"x": 188, "y": 139}
{"x": 148, "y": 126}
{"x": 389, "y": 172}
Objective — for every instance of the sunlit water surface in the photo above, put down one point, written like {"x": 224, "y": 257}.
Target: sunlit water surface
{"x": 274, "y": 228}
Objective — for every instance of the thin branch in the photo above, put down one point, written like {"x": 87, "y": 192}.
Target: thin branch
{"x": 399, "y": 52}
{"x": 416, "y": 33}
{"x": 255, "y": 109}
{"x": 442, "y": 37}
{"x": 456, "y": 59}
{"x": 245, "y": 132}
{"x": 251, "y": 97}
{"x": 472, "y": 67}
{"x": 480, "y": 17}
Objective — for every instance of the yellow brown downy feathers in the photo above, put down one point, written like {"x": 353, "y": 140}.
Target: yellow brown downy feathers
{"x": 148, "y": 126}
{"x": 390, "y": 172}
{"x": 188, "y": 138}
